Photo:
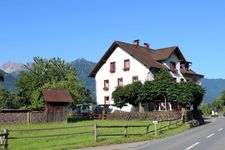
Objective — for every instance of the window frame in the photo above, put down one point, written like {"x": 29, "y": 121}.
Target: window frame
{"x": 119, "y": 80}
{"x": 106, "y": 98}
{"x": 173, "y": 65}
{"x": 106, "y": 88}
{"x": 126, "y": 62}
{"x": 133, "y": 78}
{"x": 112, "y": 69}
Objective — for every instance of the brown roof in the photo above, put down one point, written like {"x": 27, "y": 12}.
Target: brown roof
{"x": 57, "y": 95}
{"x": 140, "y": 53}
{"x": 190, "y": 73}
{"x": 165, "y": 53}
{"x": 149, "y": 57}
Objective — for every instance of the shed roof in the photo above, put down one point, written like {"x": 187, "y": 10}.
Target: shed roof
{"x": 57, "y": 95}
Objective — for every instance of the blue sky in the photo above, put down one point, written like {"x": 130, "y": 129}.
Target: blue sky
{"x": 72, "y": 29}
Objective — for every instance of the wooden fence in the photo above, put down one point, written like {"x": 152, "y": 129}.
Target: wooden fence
{"x": 157, "y": 129}
{"x": 5, "y": 136}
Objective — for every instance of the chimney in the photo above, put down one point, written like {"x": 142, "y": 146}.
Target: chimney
{"x": 146, "y": 45}
{"x": 136, "y": 42}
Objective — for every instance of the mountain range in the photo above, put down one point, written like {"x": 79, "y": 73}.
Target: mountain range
{"x": 83, "y": 67}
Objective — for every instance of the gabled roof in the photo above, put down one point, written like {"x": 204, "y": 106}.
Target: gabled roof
{"x": 189, "y": 72}
{"x": 142, "y": 54}
{"x": 164, "y": 53}
{"x": 57, "y": 95}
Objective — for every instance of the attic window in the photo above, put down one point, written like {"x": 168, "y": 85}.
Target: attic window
{"x": 126, "y": 65}
{"x": 173, "y": 67}
{"x": 112, "y": 67}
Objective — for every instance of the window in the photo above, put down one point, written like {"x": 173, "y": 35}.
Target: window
{"x": 134, "y": 78}
{"x": 106, "y": 85}
{"x": 106, "y": 100}
{"x": 120, "y": 81}
{"x": 113, "y": 67}
{"x": 126, "y": 65}
{"x": 173, "y": 67}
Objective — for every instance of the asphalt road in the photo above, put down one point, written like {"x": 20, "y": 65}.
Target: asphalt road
{"x": 207, "y": 137}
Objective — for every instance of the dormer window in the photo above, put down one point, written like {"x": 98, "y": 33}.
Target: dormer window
{"x": 112, "y": 67}
{"x": 173, "y": 67}
{"x": 106, "y": 85}
{"x": 126, "y": 65}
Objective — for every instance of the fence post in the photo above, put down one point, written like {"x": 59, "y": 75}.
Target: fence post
{"x": 95, "y": 133}
{"x": 160, "y": 126}
{"x": 1, "y": 139}
{"x": 155, "y": 129}
{"x": 147, "y": 128}
{"x": 169, "y": 125}
{"x": 5, "y": 140}
{"x": 177, "y": 122}
{"x": 125, "y": 131}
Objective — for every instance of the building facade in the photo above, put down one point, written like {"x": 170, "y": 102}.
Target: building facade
{"x": 124, "y": 63}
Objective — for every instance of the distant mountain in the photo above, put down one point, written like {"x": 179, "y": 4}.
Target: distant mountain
{"x": 83, "y": 67}
{"x": 213, "y": 88}
{"x": 12, "y": 68}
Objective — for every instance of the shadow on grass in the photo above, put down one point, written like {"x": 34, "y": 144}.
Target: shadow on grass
{"x": 77, "y": 119}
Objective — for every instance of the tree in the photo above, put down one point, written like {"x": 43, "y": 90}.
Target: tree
{"x": 219, "y": 102}
{"x": 1, "y": 76}
{"x": 162, "y": 83}
{"x": 222, "y": 97}
{"x": 43, "y": 73}
{"x": 128, "y": 94}
{"x": 197, "y": 92}
{"x": 180, "y": 93}
{"x": 119, "y": 97}
{"x": 205, "y": 108}
{"x": 7, "y": 100}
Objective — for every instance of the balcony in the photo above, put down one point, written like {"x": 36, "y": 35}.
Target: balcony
{"x": 174, "y": 70}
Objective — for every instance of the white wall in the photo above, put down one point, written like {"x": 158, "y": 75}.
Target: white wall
{"x": 136, "y": 69}
{"x": 178, "y": 75}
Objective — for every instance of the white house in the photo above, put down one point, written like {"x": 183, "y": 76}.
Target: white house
{"x": 124, "y": 63}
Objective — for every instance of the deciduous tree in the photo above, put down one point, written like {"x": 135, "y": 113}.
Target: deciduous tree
{"x": 7, "y": 100}
{"x": 43, "y": 73}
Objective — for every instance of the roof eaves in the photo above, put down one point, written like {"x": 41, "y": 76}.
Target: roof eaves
{"x": 103, "y": 59}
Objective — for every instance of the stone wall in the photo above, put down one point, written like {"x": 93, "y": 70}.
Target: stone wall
{"x": 22, "y": 117}
{"x": 155, "y": 115}
{"x": 13, "y": 117}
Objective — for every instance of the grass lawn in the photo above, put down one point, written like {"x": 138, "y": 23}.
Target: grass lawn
{"x": 81, "y": 140}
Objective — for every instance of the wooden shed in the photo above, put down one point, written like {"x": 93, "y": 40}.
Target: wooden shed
{"x": 56, "y": 102}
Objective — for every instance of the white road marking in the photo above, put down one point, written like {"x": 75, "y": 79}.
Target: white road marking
{"x": 192, "y": 146}
{"x": 220, "y": 129}
{"x": 210, "y": 135}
